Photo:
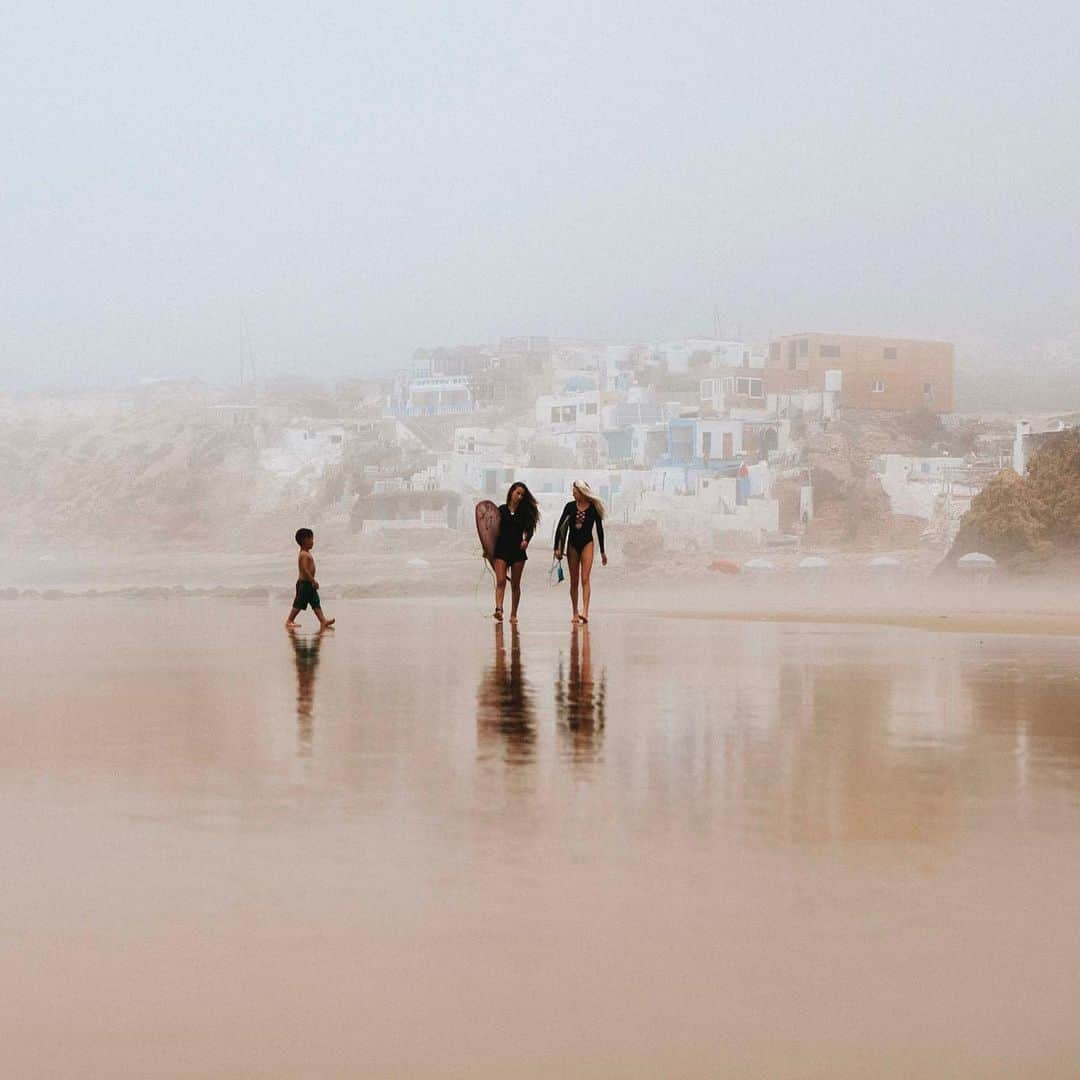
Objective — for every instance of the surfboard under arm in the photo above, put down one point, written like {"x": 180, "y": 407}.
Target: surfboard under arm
{"x": 487, "y": 527}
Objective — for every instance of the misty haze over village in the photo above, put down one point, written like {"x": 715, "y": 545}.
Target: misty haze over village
{"x": 369, "y": 268}
{"x": 705, "y": 448}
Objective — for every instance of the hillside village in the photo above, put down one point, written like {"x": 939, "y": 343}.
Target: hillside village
{"x": 703, "y": 449}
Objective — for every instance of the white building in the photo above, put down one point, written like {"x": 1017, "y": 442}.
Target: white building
{"x": 718, "y": 391}
{"x": 1026, "y": 442}
{"x": 568, "y": 412}
{"x": 636, "y": 406}
{"x": 697, "y": 508}
{"x": 485, "y": 442}
{"x": 678, "y": 356}
{"x": 703, "y": 440}
{"x": 938, "y": 490}
{"x": 438, "y": 396}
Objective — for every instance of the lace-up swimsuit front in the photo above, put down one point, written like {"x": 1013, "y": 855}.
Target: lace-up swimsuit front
{"x": 576, "y": 528}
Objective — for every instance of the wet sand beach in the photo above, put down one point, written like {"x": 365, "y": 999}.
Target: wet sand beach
{"x": 424, "y": 845}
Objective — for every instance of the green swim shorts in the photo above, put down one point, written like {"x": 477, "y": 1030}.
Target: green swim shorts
{"x": 306, "y": 593}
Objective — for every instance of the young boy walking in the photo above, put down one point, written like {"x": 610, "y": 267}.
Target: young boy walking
{"x": 307, "y": 588}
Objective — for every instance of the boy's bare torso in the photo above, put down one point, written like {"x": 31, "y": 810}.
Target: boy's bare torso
{"x": 306, "y": 566}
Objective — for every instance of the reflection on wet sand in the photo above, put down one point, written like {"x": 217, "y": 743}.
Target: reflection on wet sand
{"x": 845, "y": 778}
{"x": 505, "y": 715}
{"x": 580, "y": 702}
{"x": 851, "y": 837}
{"x": 306, "y": 654}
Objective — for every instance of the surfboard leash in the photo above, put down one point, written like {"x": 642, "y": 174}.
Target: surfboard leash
{"x": 483, "y": 577}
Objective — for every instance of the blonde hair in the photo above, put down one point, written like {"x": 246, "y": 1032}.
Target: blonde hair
{"x": 590, "y": 496}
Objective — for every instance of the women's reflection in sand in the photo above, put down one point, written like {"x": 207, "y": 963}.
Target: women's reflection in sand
{"x": 505, "y": 716}
{"x": 306, "y": 652}
{"x": 580, "y": 700}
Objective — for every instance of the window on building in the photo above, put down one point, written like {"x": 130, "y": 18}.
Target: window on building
{"x": 590, "y": 409}
{"x": 890, "y": 352}
{"x": 706, "y": 444}
{"x": 791, "y": 363}
{"x": 729, "y": 384}
{"x": 829, "y": 352}
{"x": 804, "y": 347}
{"x": 791, "y": 352}
{"x": 879, "y": 386}
{"x": 774, "y": 354}
{"x": 556, "y": 412}
{"x": 928, "y": 390}
{"x": 749, "y": 387}
{"x": 746, "y": 358}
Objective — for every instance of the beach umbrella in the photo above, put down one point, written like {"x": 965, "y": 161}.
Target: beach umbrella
{"x": 813, "y": 562}
{"x": 758, "y": 564}
{"x": 977, "y": 560}
{"x": 419, "y": 564}
{"x": 883, "y": 562}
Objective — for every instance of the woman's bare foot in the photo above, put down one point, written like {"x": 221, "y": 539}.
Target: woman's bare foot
{"x": 328, "y": 625}
{"x": 498, "y": 614}
{"x": 513, "y": 619}
{"x": 290, "y": 625}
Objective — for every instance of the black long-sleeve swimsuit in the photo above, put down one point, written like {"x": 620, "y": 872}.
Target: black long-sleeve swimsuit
{"x": 512, "y": 531}
{"x": 575, "y": 528}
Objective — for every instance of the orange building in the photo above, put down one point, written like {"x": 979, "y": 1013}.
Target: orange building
{"x": 876, "y": 373}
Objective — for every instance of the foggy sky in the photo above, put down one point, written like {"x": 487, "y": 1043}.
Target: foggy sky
{"x": 359, "y": 180}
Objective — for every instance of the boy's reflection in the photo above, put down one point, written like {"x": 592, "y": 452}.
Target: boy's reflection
{"x": 579, "y": 701}
{"x": 504, "y": 708}
{"x": 306, "y": 650}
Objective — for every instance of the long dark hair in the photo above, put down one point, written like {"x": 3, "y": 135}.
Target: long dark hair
{"x": 527, "y": 509}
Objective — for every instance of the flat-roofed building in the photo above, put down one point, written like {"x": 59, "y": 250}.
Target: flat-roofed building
{"x": 899, "y": 374}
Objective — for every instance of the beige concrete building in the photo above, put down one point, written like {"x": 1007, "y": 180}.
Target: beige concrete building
{"x": 876, "y": 373}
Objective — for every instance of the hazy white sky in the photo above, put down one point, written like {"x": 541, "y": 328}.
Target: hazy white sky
{"x": 362, "y": 179}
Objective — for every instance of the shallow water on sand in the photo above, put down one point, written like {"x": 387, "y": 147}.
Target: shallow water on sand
{"x": 424, "y": 845}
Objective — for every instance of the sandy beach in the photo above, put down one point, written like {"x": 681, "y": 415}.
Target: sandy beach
{"x": 424, "y": 845}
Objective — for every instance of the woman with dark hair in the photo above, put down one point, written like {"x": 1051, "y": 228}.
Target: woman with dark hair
{"x": 518, "y": 518}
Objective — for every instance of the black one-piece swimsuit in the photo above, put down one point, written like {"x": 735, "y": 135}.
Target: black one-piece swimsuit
{"x": 577, "y": 527}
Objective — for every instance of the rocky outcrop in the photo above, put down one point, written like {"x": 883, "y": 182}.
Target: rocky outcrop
{"x": 1029, "y": 522}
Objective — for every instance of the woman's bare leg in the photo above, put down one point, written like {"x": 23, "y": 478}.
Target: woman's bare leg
{"x": 500, "y": 586}
{"x": 586, "y": 573}
{"x": 573, "y": 562}
{"x": 515, "y": 588}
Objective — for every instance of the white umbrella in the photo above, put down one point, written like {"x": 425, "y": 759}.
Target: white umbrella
{"x": 758, "y": 564}
{"x": 419, "y": 564}
{"x": 883, "y": 562}
{"x": 977, "y": 559}
{"x": 813, "y": 562}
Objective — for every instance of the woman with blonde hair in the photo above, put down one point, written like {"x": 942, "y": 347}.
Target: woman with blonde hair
{"x": 574, "y": 537}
